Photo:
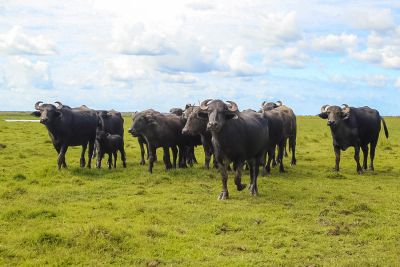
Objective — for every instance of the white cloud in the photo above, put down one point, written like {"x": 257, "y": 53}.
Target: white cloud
{"x": 200, "y": 5}
{"x": 15, "y": 42}
{"x": 382, "y": 49}
{"x": 21, "y": 74}
{"x": 279, "y": 28}
{"x": 180, "y": 78}
{"x": 136, "y": 39}
{"x": 335, "y": 43}
{"x": 373, "y": 19}
{"x": 397, "y": 83}
{"x": 236, "y": 62}
{"x": 377, "y": 80}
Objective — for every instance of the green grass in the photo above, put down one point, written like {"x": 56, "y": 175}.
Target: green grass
{"x": 308, "y": 216}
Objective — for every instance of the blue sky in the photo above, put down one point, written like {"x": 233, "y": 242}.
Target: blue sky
{"x": 133, "y": 55}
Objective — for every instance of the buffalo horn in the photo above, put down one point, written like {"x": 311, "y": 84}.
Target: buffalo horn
{"x": 204, "y": 104}
{"x": 233, "y": 106}
{"x": 37, "y": 105}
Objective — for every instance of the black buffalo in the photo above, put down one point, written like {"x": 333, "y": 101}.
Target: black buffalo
{"x": 236, "y": 137}
{"x": 276, "y": 139}
{"x": 176, "y": 111}
{"x": 357, "y": 127}
{"x": 160, "y": 130}
{"x": 289, "y": 125}
{"x": 110, "y": 144}
{"x": 197, "y": 125}
{"x": 69, "y": 127}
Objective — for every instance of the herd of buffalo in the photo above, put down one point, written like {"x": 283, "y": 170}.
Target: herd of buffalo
{"x": 245, "y": 138}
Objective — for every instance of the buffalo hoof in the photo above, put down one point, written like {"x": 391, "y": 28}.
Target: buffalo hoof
{"x": 82, "y": 163}
{"x": 371, "y": 168}
{"x": 240, "y": 187}
{"x": 335, "y": 170}
{"x": 124, "y": 164}
{"x": 224, "y": 195}
{"x": 293, "y": 163}
{"x": 142, "y": 162}
{"x": 360, "y": 171}
{"x": 274, "y": 164}
{"x": 253, "y": 190}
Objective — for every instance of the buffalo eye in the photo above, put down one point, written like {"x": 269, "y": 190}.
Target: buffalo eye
{"x": 202, "y": 115}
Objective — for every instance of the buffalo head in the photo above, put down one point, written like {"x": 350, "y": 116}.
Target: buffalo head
{"x": 334, "y": 114}
{"x": 218, "y": 112}
{"x": 266, "y": 106}
{"x": 48, "y": 113}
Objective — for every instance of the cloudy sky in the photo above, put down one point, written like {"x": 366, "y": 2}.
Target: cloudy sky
{"x": 133, "y": 55}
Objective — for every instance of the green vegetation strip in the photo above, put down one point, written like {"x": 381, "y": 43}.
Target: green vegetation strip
{"x": 308, "y": 216}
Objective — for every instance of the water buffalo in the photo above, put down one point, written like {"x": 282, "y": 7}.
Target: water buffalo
{"x": 236, "y": 137}
{"x": 176, "y": 111}
{"x": 68, "y": 127}
{"x": 142, "y": 142}
{"x": 289, "y": 125}
{"x": 357, "y": 127}
{"x": 110, "y": 144}
{"x": 276, "y": 124}
{"x": 160, "y": 130}
{"x": 196, "y": 125}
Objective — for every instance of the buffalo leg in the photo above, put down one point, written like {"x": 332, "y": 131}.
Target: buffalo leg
{"x": 223, "y": 166}
{"x": 58, "y": 149}
{"x": 268, "y": 165}
{"x": 238, "y": 177}
{"x": 365, "y": 153}
{"x": 82, "y": 161}
{"x": 115, "y": 155}
{"x": 109, "y": 161}
{"x": 337, "y": 158}
{"x": 357, "y": 158}
{"x": 99, "y": 159}
{"x": 141, "y": 145}
{"x": 274, "y": 161}
{"x": 152, "y": 153}
{"x": 174, "y": 155}
{"x": 182, "y": 157}
{"x": 91, "y": 148}
{"x": 166, "y": 158}
{"x": 281, "y": 149}
{"x": 123, "y": 156}
{"x": 263, "y": 163}
{"x": 256, "y": 168}
{"x": 61, "y": 156}
{"x": 372, "y": 155}
{"x": 292, "y": 145}
{"x": 207, "y": 157}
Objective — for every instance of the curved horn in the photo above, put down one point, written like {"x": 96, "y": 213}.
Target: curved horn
{"x": 346, "y": 108}
{"x": 279, "y": 103}
{"x": 204, "y": 104}
{"x": 263, "y": 103}
{"x": 60, "y": 105}
{"x": 233, "y": 107}
{"x": 324, "y": 108}
{"x": 37, "y": 105}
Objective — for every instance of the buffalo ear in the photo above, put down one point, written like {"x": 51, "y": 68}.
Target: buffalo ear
{"x": 36, "y": 113}
{"x": 323, "y": 115}
{"x": 345, "y": 116}
{"x": 58, "y": 114}
{"x": 231, "y": 116}
{"x": 202, "y": 115}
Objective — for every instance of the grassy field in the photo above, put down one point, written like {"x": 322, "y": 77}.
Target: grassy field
{"x": 308, "y": 216}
